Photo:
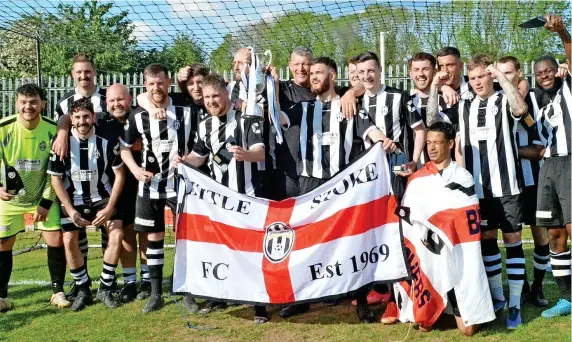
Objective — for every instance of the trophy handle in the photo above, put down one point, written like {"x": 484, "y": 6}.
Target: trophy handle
{"x": 268, "y": 53}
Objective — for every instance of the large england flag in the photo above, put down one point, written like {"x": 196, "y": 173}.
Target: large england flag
{"x": 329, "y": 242}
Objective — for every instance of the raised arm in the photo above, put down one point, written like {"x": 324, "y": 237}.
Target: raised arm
{"x": 432, "y": 111}
{"x": 515, "y": 99}
{"x": 554, "y": 23}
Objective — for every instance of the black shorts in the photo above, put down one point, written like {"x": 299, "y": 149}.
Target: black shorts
{"x": 126, "y": 210}
{"x": 308, "y": 184}
{"x": 272, "y": 185}
{"x": 529, "y": 196}
{"x": 126, "y": 204}
{"x": 502, "y": 212}
{"x": 553, "y": 207}
{"x": 150, "y": 214}
{"x": 88, "y": 212}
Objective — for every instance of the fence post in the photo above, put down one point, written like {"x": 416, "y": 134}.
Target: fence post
{"x": 4, "y": 97}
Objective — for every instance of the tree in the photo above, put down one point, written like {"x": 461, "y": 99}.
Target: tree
{"x": 91, "y": 29}
{"x": 221, "y": 57}
{"x": 17, "y": 53}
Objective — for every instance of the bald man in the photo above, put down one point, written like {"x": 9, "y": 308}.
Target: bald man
{"x": 111, "y": 125}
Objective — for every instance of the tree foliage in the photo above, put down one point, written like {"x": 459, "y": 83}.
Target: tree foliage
{"x": 98, "y": 29}
{"x": 92, "y": 29}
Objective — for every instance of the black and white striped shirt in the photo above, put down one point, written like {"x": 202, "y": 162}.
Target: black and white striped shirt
{"x": 465, "y": 90}
{"x": 489, "y": 148}
{"x": 419, "y": 104}
{"x": 162, "y": 140}
{"x": 198, "y": 112}
{"x": 390, "y": 112}
{"x": 64, "y": 104}
{"x": 326, "y": 138}
{"x": 88, "y": 169}
{"x": 216, "y": 136}
{"x": 527, "y": 137}
{"x": 554, "y": 118}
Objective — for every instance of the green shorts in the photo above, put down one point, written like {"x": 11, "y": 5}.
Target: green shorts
{"x": 12, "y": 219}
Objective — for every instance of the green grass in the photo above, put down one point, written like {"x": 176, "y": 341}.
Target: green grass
{"x": 33, "y": 320}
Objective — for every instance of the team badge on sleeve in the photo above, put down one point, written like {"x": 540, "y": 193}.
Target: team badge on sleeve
{"x": 340, "y": 117}
{"x": 363, "y": 114}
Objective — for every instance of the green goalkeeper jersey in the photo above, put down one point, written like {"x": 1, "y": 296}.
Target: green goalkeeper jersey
{"x": 28, "y": 152}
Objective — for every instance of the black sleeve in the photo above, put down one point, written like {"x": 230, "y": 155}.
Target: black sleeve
{"x": 114, "y": 158}
{"x": 253, "y": 134}
{"x": 59, "y": 110}
{"x": 412, "y": 117}
{"x": 131, "y": 134}
{"x": 362, "y": 123}
{"x": 56, "y": 167}
{"x": 341, "y": 90}
{"x": 453, "y": 115}
{"x": 200, "y": 148}
{"x": 180, "y": 99}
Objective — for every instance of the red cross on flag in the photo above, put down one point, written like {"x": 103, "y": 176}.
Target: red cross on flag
{"x": 331, "y": 241}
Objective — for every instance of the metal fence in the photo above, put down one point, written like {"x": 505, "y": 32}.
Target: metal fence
{"x": 395, "y": 76}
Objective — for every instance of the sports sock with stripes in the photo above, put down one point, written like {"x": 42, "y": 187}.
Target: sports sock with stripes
{"x": 83, "y": 245}
{"x": 155, "y": 259}
{"x": 493, "y": 267}
{"x": 541, "y": 257}
{"x": 144, "y": 272}
{"x": 80, "y": 276}
{"x": 6, "y": 262}
{"x": 107, "y": 276}
{"x": 515, "y": 266}
{"x": 57, "y": 267}
{"x": 129, "y": 275}
{"x": 561, "y": 271}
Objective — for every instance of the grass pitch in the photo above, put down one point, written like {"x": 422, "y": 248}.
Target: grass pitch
{"x": 34, "y": 320}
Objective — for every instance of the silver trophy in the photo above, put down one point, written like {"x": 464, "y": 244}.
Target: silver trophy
{"x": 257, "y": 83}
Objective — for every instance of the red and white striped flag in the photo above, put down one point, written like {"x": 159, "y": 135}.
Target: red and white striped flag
{"x": 333, "y": 240}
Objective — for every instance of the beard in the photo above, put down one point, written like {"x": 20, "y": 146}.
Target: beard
{"x": 217, "y": 110}
{"x": 83, "y": 129}
{"x": 120, "y": 113}
{"x": 320, "y": 88}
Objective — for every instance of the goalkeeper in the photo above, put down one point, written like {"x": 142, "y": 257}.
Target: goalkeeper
{"x": 25, "y": 188}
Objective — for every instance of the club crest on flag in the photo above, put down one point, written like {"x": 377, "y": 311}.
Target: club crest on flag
{"x": 278, "y": 242}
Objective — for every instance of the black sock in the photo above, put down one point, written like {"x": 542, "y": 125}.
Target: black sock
{"x": 361, "y": 294}
{"x": 6, "y": 263}
{"x": 561, "y": 271}
{"x": 381, "y": 288}
{"x": 80, "y": 277}
{"x": 260, "y": 310}
{"x": 541, "y": 257}
{"x": 155, "y": 259}
{"x": 57, "y": 267}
